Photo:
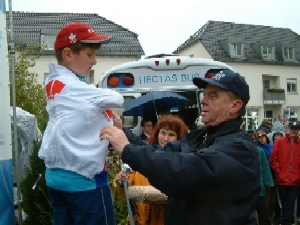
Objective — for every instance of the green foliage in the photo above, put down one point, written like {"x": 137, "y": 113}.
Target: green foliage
{"x": 120, "y": 205}
{"x": 30, "y": 95}
{"x": 36, "y": 203}
{"x": 275, "y": 90}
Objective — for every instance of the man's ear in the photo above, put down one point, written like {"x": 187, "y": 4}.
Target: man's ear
{"x": 67, "y": 54}
{"x": 237, "y": 104}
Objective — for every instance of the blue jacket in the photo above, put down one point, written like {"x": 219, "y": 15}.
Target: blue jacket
{"x": 267, "y": 149}
{"x": 209, "y": 180}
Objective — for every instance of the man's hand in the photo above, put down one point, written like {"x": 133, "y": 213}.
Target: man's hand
{"x": 115, "y": 136}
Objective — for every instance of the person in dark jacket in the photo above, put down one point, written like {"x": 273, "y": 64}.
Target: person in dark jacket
{"x": 265, "y": 126}
{"x": 147, "y": 127}
{"x": 210, "y": 175}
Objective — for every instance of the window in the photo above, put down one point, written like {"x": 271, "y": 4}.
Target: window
{"x": 236, "y": 49}
{"x": 268, "y": 114}
{"x": 251, "y": 119}
{"x": 266, "y": 84}
{"x": 291, "y": 85}
{"x": 129, "y": 121}
{"x": 294, "y": 113}
{"x": 48, "y": 40}
{"x": 268, "y": 52}
{"x": 288, "y": 53}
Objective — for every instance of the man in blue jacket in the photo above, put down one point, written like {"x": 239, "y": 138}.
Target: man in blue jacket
{"x": 211, "y": 175}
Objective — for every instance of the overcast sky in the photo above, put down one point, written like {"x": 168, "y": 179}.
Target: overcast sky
{"x": 163, "y": 25}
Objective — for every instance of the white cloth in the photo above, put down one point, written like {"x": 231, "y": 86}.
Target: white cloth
{"x": 77, "y": 112}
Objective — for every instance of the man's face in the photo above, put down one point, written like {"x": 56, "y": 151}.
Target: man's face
{"x": 217, "y": 105}
{"x": 292, "y": 132}
{"x": 148, "y": 127}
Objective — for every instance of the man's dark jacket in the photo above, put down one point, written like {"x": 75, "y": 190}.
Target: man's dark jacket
{"x": 209, "y": 180}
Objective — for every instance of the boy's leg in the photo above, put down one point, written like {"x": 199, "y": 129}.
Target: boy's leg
{"x": 93, "y": 207}
{"x": 61, "y": 207}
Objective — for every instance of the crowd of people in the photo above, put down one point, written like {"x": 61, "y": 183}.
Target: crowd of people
{"x": 215, "y": 174}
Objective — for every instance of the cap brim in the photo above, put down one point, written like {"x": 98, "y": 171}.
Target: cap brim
{"x": 294, "y": 127}
{"x": 203, "y": 82}
{"x": 97, "y": 39}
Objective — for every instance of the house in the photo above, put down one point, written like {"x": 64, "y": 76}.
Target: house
{"x": 268, "y": 58}
{"x": 39, "y": 28}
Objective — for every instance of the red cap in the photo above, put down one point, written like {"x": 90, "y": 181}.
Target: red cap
{"x": 78, "y": 32}
{"x": 261, "y": 133}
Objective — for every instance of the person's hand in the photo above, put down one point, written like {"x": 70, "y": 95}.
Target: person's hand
{"x": 115, "y": 136}
{"x": 123, "y": 177}
{"x": 117, "y": 120}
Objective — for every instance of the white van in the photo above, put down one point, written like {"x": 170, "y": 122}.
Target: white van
{"x": 164, "y": 73}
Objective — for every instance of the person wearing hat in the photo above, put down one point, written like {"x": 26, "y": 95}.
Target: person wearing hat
{"x": 74, "y": 157}
{"x": 285, "y": 161}
{"x": 264, "y": 143}
{"x": 210, "y": 175}
{"x": 266, "y": 182}
{"x": 265, "y": 126}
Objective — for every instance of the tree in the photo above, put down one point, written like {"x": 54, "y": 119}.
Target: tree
{"x": 30, "y": 95}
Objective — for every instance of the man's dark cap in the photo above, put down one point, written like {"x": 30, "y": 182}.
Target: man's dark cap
{"x": 294, "y": 125}
{"x": 228, "y": 80}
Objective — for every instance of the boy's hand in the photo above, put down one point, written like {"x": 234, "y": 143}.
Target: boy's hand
{"x": 117, "y": 120}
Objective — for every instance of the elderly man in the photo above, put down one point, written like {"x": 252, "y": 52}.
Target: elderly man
{"x": 211, "y": 175}
{"x": 285, "y": 161}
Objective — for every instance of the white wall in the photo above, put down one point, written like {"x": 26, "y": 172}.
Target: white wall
{"x": 103, "y": 63}
{"x": 253, "y": 74}
{"x": 197, "y": 50}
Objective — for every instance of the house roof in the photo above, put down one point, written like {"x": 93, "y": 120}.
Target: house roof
{"x": 214, "y": 32}
{"x": 27, "y": 27}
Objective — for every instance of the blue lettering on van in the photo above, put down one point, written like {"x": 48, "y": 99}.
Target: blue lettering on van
{"x": 189, "y": 77}
{"x": 168, "y": 78}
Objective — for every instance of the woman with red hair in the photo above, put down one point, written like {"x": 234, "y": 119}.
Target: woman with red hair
{"x": 169, "y": 128}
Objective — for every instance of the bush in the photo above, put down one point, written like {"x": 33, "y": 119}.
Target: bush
{"x": 120, "y": 205}
{"x": 36, "y": 202}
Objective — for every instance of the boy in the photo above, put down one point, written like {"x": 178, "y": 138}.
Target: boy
{"x": 74, "y": 157}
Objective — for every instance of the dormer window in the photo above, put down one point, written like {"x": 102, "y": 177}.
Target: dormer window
{"x": 236, "y": 49}
{"x": 48, "y": 37}
{"x": 268, "y": 52}
{"x": 288, "y": 53}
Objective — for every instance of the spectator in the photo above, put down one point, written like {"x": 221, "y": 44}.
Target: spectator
{"x": 147, "y": 127}
{"x": 277, "y": 129}
{"x": 211, "y": 175}
{"x": 285, "y": 161}
{"x": 264, "y": 143}
{"x": 265, "y": 126}
{"x": 266, "y": 181}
